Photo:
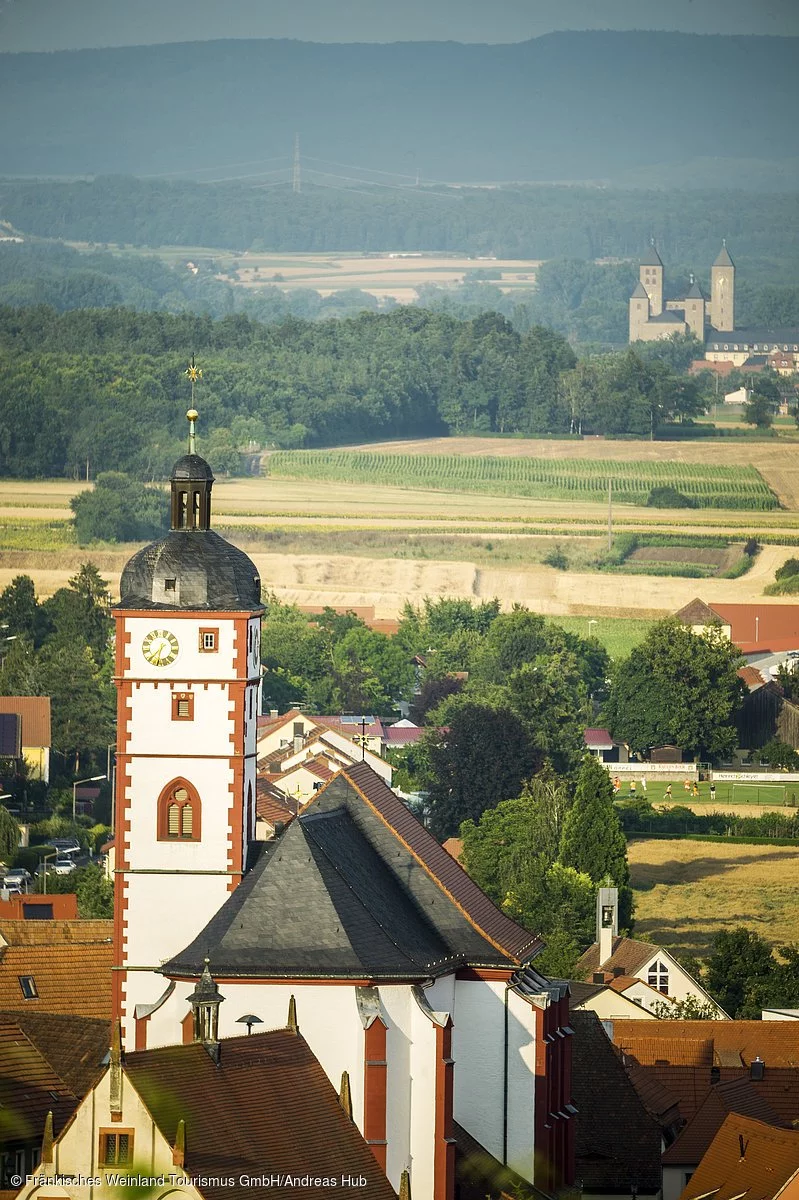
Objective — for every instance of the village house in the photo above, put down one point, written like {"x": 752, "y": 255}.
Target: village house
{"x": 641, "y": 971}
{"x": 32, "y": 732}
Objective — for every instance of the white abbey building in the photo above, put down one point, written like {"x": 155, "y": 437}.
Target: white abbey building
{"x": 404, "y": 974}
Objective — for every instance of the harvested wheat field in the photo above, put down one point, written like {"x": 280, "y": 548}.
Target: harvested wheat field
{"x": 686, "y": 892}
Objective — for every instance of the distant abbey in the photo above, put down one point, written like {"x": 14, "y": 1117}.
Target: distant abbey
{"x": 651, "y": 320}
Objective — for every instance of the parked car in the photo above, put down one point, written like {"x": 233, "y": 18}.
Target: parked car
{"x": 17, "y": 880}
{"x": 64, "y": 865}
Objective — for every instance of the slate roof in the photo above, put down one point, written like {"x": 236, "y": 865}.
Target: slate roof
{"x": 70, "y": 962}
{"x": 210, "y": 573}
{"x": 732, "y": 1095}
{"x": 355, "y": 888}
{"x": 723, "y": 258}
{"x": 35, "y": 714}
{"x": 651, "y": 258}
{"x": 786, "y": 336}
{"x": 609, "y": 1152}
{"x": 640, "y": 293}
{"x": 627, "y": 953}
{"x": 746, "y": 1159}
{"x": 695, "y": 293}
{"x": 266, "y": 1109}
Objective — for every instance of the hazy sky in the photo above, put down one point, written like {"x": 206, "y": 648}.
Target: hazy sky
{"x": 71, "y": 24}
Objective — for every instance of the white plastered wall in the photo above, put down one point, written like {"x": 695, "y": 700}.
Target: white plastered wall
{"x": 478, "y": 1043}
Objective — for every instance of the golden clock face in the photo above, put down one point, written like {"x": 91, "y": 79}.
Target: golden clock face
{"x": 160, "y": 648}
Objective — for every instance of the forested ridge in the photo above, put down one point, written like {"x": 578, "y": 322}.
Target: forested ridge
{"x": 106, "y": 385}
{"x": 567, "y": 106}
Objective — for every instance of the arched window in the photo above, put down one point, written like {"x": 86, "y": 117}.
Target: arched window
{"x": 179, "y": 813}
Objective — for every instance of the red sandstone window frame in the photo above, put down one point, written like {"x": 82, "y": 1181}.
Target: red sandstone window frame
{"x": 210, "y": 632}
{"x": 115, "y": 1135}
{"x": 179, "y": 699}
{"x": 191, "y": 803}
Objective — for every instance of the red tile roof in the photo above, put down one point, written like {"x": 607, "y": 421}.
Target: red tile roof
{"x": 267, "y": 1109}
{"x": 70, "y": 963}
{"x": 731, "y": 1096}
{"x": 29, "y": 1087}
{"x": 752, "y": 678}
{"x": 599, "y": 739}
{"x": 35, "y": 713}
{"x": 762, "y": 624}
{"x": 775, "y": 1042}
{"x": 627, "y": 953}
{"x": 746, "y": 1159}
{"x": 403, "y": 735}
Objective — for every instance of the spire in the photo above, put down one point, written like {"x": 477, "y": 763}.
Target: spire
{"x": 292, "y": 1021}
{"x": 640, "y": 292}
{"x": 405, "y": 1185}
{"x": 47, "y": 1139}
{"x": 345, "y": 1094}
{"x": 651, "y": 258}
{"x": 179, "y": 1147}
{"x": 696, "y": 292}
{"x": 724, "y": 259}
{"x": 205, "y": 1001}
{"x": 115, "y": 1081}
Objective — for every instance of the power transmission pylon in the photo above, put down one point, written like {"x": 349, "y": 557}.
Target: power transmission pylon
{"x": 296, "y": 182}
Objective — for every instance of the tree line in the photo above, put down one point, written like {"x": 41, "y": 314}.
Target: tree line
{"x": 99, "y": 390}
{"x": 535, "y": 222}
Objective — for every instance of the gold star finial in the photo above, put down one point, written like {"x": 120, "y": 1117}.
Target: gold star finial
{"x": 193, "y": 373}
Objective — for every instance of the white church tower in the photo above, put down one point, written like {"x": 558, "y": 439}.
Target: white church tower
{"x": 187, "y": 674}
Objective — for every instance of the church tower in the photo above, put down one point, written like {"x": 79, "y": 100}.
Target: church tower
{"x": 639, "y": 312}
{"x": 722, "y": 292}
{"x": 650, "y": 276}
{"x": 695, "y": 311}
{"x": 187, "y": 674}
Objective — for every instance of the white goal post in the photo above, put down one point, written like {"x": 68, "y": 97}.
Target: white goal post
{"x": 758, "y": 793}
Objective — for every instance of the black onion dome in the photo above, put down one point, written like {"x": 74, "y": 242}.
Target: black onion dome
{"x": 191, "y": 467}
{"x": 191, "y": 570}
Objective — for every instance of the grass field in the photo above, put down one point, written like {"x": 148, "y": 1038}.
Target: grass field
{"x": 687, "y": 892}
{"x": 707, "y": 484}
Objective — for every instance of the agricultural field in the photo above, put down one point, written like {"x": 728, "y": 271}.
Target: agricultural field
{"x": 322, "y": 542}
{"x": 707, "y": 485}
{"x": 383, "y": 275}
{"x": 686, "y": 892}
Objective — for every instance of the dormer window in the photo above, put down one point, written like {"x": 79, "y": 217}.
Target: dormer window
{"x": 170, "y": 585}
{"x": 28, "y": 985}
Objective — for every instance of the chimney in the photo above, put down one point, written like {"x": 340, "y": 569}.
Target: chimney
{"x": 618, "y": 972}
{"x": 298, "y": 743}
{"x": 598, "y": 977}
{"x": 273, "y": 713}
{"x": 607, "y": 921}
{"x": 757, "y": 1069}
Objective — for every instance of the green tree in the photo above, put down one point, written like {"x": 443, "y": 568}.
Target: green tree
{"x": 592, "y": 840}
{"x": 119, "y": 509}
{"x": 19, "y": 609}
{"x": 678, "y": 687}
{"x": 741, "y": 963}
{"x": 780, "y": 755}
{"x": 692, "y": 1008}
{"x": 9, "y": 835}
{"x": 478, "y": 759}
{"x": 82, "y": 701}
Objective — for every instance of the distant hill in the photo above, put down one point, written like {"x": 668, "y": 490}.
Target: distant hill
{"x": 568, "y": 106}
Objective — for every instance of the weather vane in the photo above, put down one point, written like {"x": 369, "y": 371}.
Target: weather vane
{"x": 193, "y": 374}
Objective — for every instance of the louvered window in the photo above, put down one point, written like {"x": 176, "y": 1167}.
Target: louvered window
{"x": 179, "y": 813}
{"x": 185, "y": 820}
{"x": 173, "y": 825}
{"x": 115, "y": 1148}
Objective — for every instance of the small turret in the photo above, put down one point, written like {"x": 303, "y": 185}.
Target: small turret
{"x": 205, "y": 1001}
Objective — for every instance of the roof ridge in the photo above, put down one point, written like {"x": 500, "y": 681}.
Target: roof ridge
{"x": 534, "y": 940}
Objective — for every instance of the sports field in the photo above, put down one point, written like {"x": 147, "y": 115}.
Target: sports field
{"x": 686, "y": 892}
